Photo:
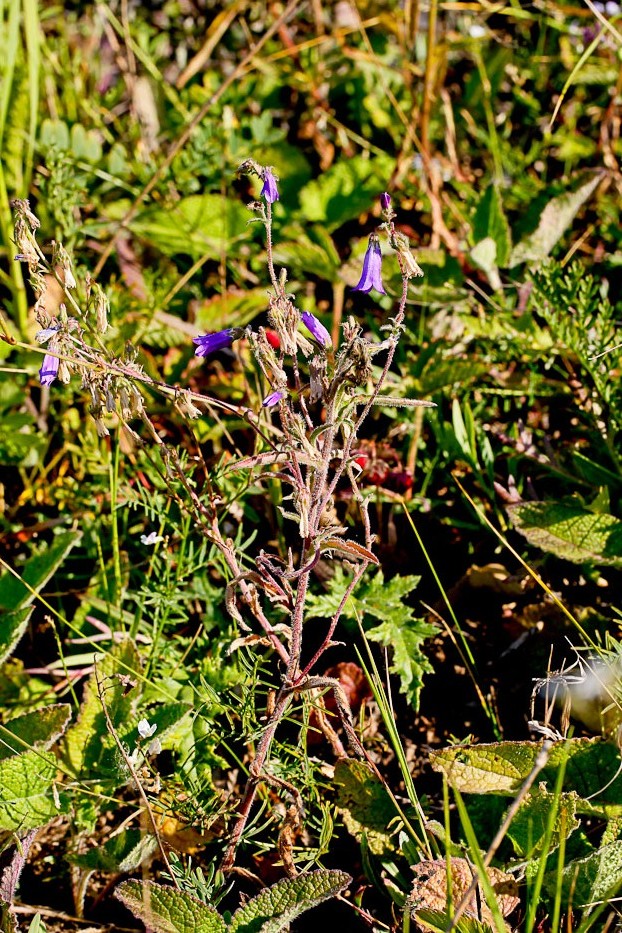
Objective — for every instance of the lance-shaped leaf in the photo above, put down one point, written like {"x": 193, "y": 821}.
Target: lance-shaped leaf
{"x": 570, "y": 531}
{"x": 39, "y": 729}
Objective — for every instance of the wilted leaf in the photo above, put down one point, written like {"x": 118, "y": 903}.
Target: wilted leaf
{"x": 570, "y": 531}
{"x": 430, "y": 889}
{"x": 167, "y": 910}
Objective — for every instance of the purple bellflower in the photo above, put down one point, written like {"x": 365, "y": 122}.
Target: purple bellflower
{"x": 274, "y": 398}
{"x": 210, "y": 343}
{"x": 269, "y": 191}
{"x": 385, "y": 201}
{"x": 49, "y": 369}
{"x": 372, "y": 268}
{"x": 316, "y": 328}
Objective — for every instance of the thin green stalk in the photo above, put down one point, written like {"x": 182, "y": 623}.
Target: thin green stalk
{"x": 466, "y": 653}
{"x": 388, "y": 717}
{"x": 113, "y": 473}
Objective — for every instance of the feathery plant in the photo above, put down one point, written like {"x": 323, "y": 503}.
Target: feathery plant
{"x": 317, "y": 398}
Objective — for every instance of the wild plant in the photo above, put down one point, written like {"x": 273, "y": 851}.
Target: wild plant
{"x": 307, "y": 429}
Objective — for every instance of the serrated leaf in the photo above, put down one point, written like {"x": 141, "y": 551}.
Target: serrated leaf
{"x": 26, "y": 797}
{"x": 121, "y": 853}
{"x": 347, "y": 188}
{"x": 87, "y": 746}
{"x": 15, "y": 594}
{"x": 569, "y": 531}
{"x": 528, "y": 830}
{"x": 194, "y": 226}
{"x": 273, "y": 910}
{"x": 555, "y": 219}
{"x": 407, "y": 659}
{"x": 591, "y": 770}
{"x": 166, "y": 910}
{"x": 490, "y": 222}
{"x": 589, "y": 880}
{"x": 14, "y": 625}
{"x": 38, "y": 729}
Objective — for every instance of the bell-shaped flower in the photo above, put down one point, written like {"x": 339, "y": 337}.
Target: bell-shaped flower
{"x": 274, "y": 398}
{"x": 316, "y": 329}
{"x": 269, "y": 191}
{"x": 210, "y": 343}
{"x": 49, "y": 369}
{"x": 372, "y": 269}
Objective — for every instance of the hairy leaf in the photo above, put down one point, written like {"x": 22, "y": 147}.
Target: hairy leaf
{"x": 26, "y": 795}
{"x": 570, "y": 531}
{"x": 40, "y": 729}
{"x": 167, "y": 910}
{"x": 87, "y": 747}
{"x": 273, "y": 910}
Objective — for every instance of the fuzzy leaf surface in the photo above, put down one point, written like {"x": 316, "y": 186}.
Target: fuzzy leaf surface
{"x": 40, "y": 729}
{"x": 273, "y": 910}
{"x": 26, "y": 798}
{"x": 165, "y": 910}
{"x": 87, "y": 746}
{"x": 570, "y": 531}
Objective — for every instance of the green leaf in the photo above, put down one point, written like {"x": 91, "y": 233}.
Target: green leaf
{"x": 555, "y": 219}
{"x": 26, "y": 791}
{"x": 592, "y": 770}
{"x": 273, "y": 910}
{"x": 437, "y": 922}
{"x": 589, "y": 880}
{"x": 88, "y": 748}
{"x": 197, "y": 225}
{"x": 345, "y": 190}
{"x": 489, "y": 222}
{"x": 399, "y": 629}
{"x": 166, "y": 910}
{"x": 37, "y": 925}
{"x": 529, "y": 827}
{"x": 569, "y": 531}
{"x": 17, "y": 593}
{"x": 407, "y": 659}
{"x": 366, "y": 805}
{"x": 14, "y": 625}
{"x": 308, "y": 251}
{"x": 121, "y": 853}
{"x": 38, "y": 729}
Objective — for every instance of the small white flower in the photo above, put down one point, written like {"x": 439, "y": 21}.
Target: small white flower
{"x": 145, "y": 731}
{"x": 611, "y": 8}
{"x": 476, "y": 31}
{"x": 151, "y": 538}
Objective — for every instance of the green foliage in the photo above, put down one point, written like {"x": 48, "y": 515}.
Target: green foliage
{"x": 399, "y": 627}
{"x": 570, "y": 531}
{"x": 167, "y": 910}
